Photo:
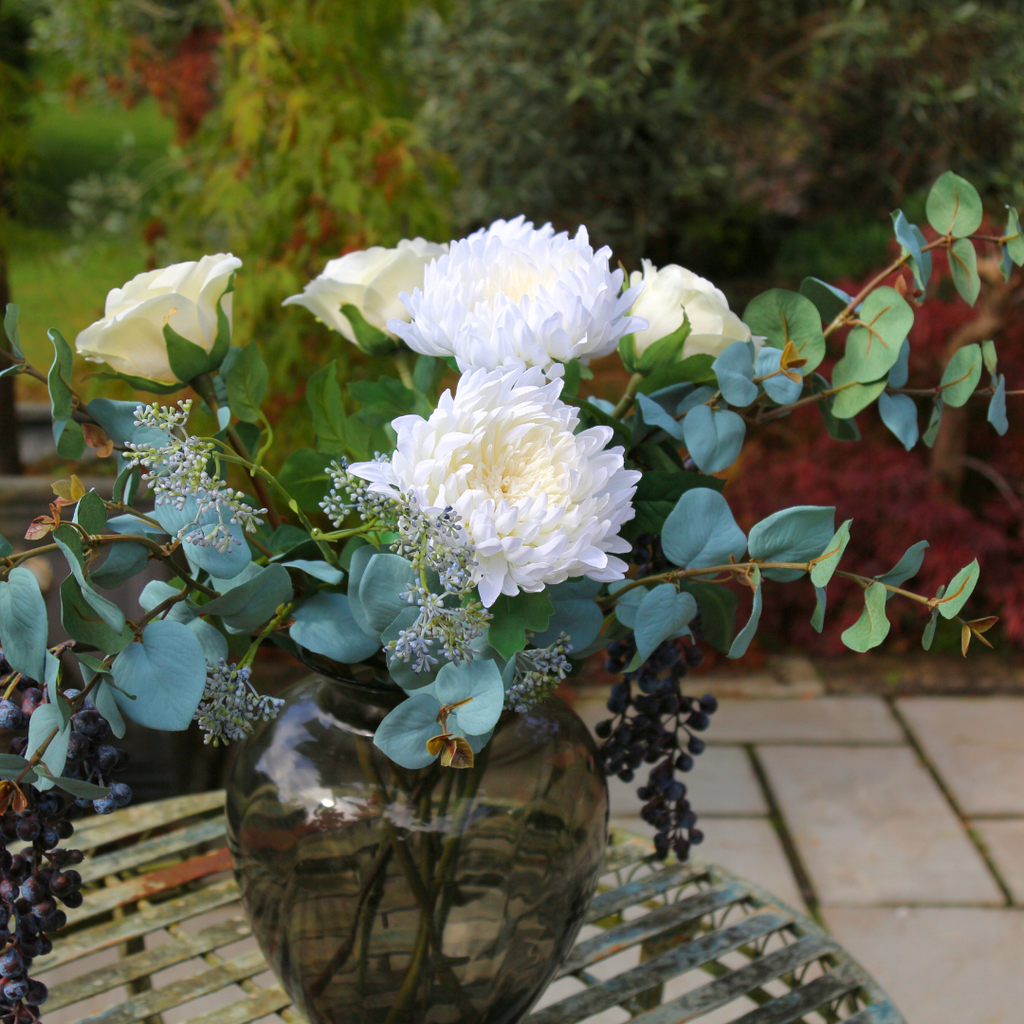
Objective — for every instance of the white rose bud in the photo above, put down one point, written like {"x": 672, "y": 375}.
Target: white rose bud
{"x": 184, "y": 296}
{"x": 371, "y": 280}
{"x": 672, "y": 289}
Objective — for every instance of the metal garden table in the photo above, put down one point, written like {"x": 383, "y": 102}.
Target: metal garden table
{"x": 663, "y": 944}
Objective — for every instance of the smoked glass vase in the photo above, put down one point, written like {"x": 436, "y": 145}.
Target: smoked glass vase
{"x": 381, "y": 895}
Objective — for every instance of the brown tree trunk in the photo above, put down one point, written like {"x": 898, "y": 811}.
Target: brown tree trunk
{"x": 10, "y": 461}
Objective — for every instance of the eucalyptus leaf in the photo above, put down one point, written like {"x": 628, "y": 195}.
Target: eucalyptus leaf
{"x": 954, "y": 206}
{"x": 248, "y": 606}
{"x": 820, "y": 600}
{"x": 734, "y": 368}
{"x": 907, "y": 567}
{"x": 783, "y": 316}
{"x": 383, "y": 589}
{"x": 713, "y": 438}
{"x": 873, "y": 345}
{"x": 662, "y": 614}
{"x": 653, "y": 415}
{"x": 828, "y": 300}
{"x": 901, "y": 368}
{"x": 873, "y": 626}
{"x": 161, "y": 680}
{"x": 795, "y": 534}
{"x": 11, "y": 328}
{"x": 45, "y": 719}
{"x": 779, "y": 387}
{"x": 82, "y": 623}
{"x": 934, "y": 422}
{"x": 960, "y": 588}
{"x": 746, "y": 634}
{"x": 825, "y": 564}
{"x": 23, "y": 624}
{"x": 851, "y": 397}
{"x": 718, "y": 607}
{"x": 319, "y": 569}
{"x": 701, "y": 531}
{"x": 1014, "y": 237}
{"x": 962, "y": 375}
{"x": 580, "y": 619}
{"x": 963, "y": 264}
{"x": 997, "y": 407}
{"x": 899, "y": 414}
{"x": 402, "y": 735}
{"x": 324, "y": 624}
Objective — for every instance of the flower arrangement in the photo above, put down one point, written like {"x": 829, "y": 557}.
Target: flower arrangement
{"x": 478, "y": 545}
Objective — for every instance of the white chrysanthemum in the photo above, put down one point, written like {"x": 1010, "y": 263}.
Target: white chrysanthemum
{"x": 515, "y": 295}
{"x": 540, "y": 503}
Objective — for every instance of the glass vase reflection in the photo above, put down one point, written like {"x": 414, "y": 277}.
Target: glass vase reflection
{"x": 382, "y": 895}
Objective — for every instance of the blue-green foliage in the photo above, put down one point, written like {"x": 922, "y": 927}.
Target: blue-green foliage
{"x": 713, "y": 437}
{"x": 23, "y": 624}
{"x": 701, "y": 531}
{"x": 325, "y": 625}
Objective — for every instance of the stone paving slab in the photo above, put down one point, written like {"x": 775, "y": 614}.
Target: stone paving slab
{"x": 1005, "y": 843}
{"x": 747, "y": 846}
{"x": 872, "y": 827}
{"x": 821, "y": 720}
{"x": 722, "y": 782}
{"x": 977, "y": 745}
{"x": 950, "y": 965}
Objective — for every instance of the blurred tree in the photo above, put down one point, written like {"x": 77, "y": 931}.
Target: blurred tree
{"x": 693, "y": 129}
{"x": 308, "y": 151}
{"x": 15, "y": 99}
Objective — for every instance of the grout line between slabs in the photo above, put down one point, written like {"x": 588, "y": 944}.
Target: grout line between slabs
{"x": 972, "y": 833}
{"x": 778, "y": 821}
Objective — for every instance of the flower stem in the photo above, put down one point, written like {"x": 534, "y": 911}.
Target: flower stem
{"x": 404, "y": 368}
{"x": 626, "y": 402}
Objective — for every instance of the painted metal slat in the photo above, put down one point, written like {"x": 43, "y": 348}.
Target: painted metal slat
{"x": 661, "y": 968}
{"x": 822, "y": 990}
{"x": 608, "y": 903}
{"x": 148, "y": 962}
{"x": 737, "y": 983}
{"x": 245, "y": 1010}
{"x": 133, "y": 820}
{"x": 651, "y": 924}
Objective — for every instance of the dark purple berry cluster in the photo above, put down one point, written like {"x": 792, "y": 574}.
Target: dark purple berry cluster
{"x": 653, "y": 722}
{"x": 37, "y": 877}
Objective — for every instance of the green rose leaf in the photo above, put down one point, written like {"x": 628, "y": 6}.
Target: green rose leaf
{"x": 872, "y": 627}
{"x": 873, "y": 346}
{"x": 963, "y": 264}
{"x": 954, "y": 206}
{"x": 23, "y": 624}
{"x": 627, "y": 352}
{"x": 304, "y": 476}
{"x": 513, "y": 616}
{"x": 323, "y": 396}
{"x": 696, "y": 369}
{"x": 962, "y": 375}
{"x": 899, "y": 414}
{"x": 825, "y": 564}
{"x": 746, "y": 634}
{"x": 795, "y": 534}
{"x": 372, "y": 340}
{"x": 664, "y": 351}
{"x": 960, "y": 588}
{"x": 324, "y": 624}
{"x": 851, "y": 397}
{"x": 713, "y": 438}
{"x": 187, "y": 359}
{"x": 663, "y": 614}
{"x": 701, "y": 531}
{"x": 161, "y": 680}
{"x": 245, "y": 376}
{"x": 782, "y": 316}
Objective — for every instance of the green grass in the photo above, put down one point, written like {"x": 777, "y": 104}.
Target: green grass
{"x": 59, "y": 281}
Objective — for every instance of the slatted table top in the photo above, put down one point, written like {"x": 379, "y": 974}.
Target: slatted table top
{"x": 161, "y": 934}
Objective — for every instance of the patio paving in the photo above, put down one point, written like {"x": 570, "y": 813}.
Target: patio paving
{"x": 898, "y": 824}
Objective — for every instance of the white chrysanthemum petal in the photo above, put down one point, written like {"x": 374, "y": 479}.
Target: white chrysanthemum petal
{"x": 512, "y": 295}
{"x": 540, "y": 503}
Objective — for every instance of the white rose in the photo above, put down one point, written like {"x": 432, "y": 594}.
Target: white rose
{"x": 130, "y": 337}
{"x": 371, "y": 280}
{"x": 540, "y": 502}
{"x": 672, "y": 289}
